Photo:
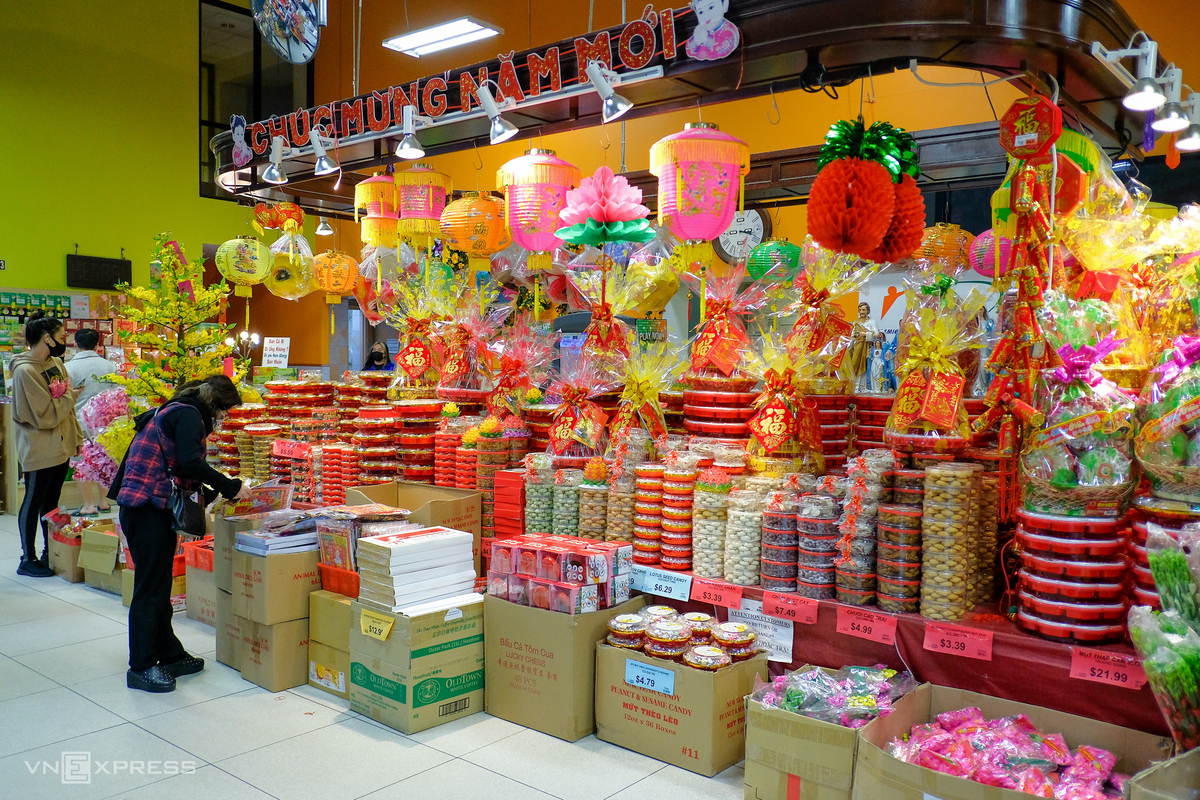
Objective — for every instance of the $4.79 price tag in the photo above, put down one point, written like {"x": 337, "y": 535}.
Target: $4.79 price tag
{"x": 941, "y": 637}
{"x": 866, "y": 625}
{"x": 790, "y": 607}
{"x": 1110, "y": 668}
{"x": 716, "y": 592}
{"x": 645, "y": 676}
{"x": 662, "y": 583}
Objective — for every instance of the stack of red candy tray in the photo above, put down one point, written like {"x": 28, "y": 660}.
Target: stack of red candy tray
{"x": 1073, "y": 578}
{"x": 672, "y": 403}
{"x": 537, "y": 420}
{"x": 1171, "y": 515}
{"x": 835, "y": 417}
{"x": 375, "y": 386}
{"x": 339, "y": 469}
{"x": 721, "y": 415}
{"x": 466, "y": 467}
{"x": 416, "y": 426}
{"x": 349, "y": 398}
{"x": 870, "y": 416}
{"x": 510, "y": 503}
{"x": 445, "y": 443}
{"x": 375, "y": 445}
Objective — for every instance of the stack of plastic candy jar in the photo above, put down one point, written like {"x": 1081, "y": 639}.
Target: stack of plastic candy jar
{"x": 950, "y": 536}
{"x": 565, "y": 515}
{"x": 817, "y": 537}
{"x": 695, "y": 639}
{"x": 851, "y": 697}
{"x": 593, "y": 499}
{"x": 743, "y": 537}
{"x": 855, "y": 575}
{"x": 647, "y": 513}
{"x": 710, "y": 512}
{"x": 679, "y": 486}
{"x": 539, "y": 494}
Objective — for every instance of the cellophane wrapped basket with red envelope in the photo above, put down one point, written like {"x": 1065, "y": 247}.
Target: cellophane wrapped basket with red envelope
{"x": 785, "y": 430}
{"x": 416, "y": 311}
{"x": 578, "y": 427}
{"x": 721, "y": 340}
{"x": 928, "y": 414}
{"x": 462, "y": 342}
{"x": 649, "y": 371}
{"x": 520, "y": 360}
{"x": 607, "y": 291}
{"x": 1168, "y": 445}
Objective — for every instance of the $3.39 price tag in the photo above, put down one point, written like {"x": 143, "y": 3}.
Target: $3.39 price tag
{"x": 941, "y": 637}
{"x": 790, "y": 607}
{"x": 645, "y": 676}
{"x": 866, "y": 625}
{"x": 1110, "y": 668}
{"x": 716, "y": 592}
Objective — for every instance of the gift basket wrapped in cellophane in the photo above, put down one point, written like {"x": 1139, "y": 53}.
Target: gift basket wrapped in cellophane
{"x": 648, "y": 372}
{"x": 1168, "y": 444}
{"x": 721, "y": 341}
{"x": 578, "y": 426}
{"x": 785, "y": 430}
{"x": 380, "y": 271}
{"x": 813, "y": 296}
{"x": 520, "y": 360}
{"x": 609, "y": 291}
{"x": 941, "y": 328}
{"x": 462, "y": 342}
{"x": 418, "y": 307}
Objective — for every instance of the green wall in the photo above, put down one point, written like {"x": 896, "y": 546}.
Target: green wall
{"x": 101, "y": 137}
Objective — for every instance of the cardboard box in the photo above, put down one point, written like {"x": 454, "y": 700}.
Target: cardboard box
{"x": 275, "y": 588}
{"x": 225, "y": 533}
{"x": 879, "y": 776}
{"x": 792, "y": 757}
{"x": 329, "y": 619}
{"x": 126, "y": 587}
{"x": 274, "y": 657}
{"x": 229, "y": 631}
{"x": 64, "y": 557}
{"x": 1177, "y": 779}
{"x": 98, "y": 558}
{"x": 700, "y": 726}
{"x": 541, "y": 665}
{"x": 429, "y": 505}
{"x": 424, "y": 671}
{"x": 328, "y": 668}
{"x": 201, "y": 593}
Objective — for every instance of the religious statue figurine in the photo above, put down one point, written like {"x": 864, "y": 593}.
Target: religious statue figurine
{"x": 876, "y": 369}
{"x": 862, "y": 341}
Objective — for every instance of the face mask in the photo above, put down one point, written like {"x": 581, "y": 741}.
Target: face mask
{"x": 378, "y": 357}
{"x": 57, "y": 349}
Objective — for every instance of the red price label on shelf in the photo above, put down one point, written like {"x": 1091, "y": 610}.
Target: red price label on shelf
{"x": 790, "y": 607}
{"x": 1110, "y": 668}
{"x": 866, "y": 624}
{"x": 941, "y": 637}
{"x": 716, "y": 592}
{"x": 289, "y": 448}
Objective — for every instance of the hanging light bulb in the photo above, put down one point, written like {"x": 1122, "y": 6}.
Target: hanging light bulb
{"x": 502, "y": 130}
{"x": 410, "y": 145}
{"x": 325, "y": 165}
{"x": 1189, "y": 140}
{"x": 324, "y": 228}
{"x": 613, "y": 105}
{"x": 1172, "y": 118}
{"x": 274, "y": 172}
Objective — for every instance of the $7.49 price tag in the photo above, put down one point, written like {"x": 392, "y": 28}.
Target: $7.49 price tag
{"x": 866, "y": 625}
{"x": 716, "y": 592}
{"x": 1111, "y": 668}
{"x": 645, "y": 676}
{"x": 790, "y": 607}
{"x": 941, "y": 637}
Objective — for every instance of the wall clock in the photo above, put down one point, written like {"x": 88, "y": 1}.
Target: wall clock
{"x": 748, "y": 230}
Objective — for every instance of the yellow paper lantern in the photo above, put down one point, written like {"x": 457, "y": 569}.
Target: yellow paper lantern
{"x": 244, "y": 262}
{"x": 335, "y": 272}
{"x": 947, "y": 243}
{"x": 475, "y": 225}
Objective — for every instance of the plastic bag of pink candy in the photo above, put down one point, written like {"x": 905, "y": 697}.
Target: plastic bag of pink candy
{"x": 850, "y": 697}
{"x": 1010, "y": 753}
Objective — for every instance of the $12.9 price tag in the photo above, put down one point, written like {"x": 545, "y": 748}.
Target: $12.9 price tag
{"x": 941, "y": 637}
{"x": 716, "y": 592}
{"x": 866, "y": 625}
{"x": 1111, "y": 668}
{"x": 791, "y": 607}
{"x": 645, "y": 676}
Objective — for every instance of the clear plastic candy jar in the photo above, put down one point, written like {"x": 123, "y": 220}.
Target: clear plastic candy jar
{"x": 733, "y": 634}
{"x": 898, "y": 536}
{"x": 593, "y": 509}
{"x": 627, "y": 630}
{"x": 701, "y": 625}
{"x": 566, "y": 502}
{"x": 900, "y": 552}
{"x": 651, "y": 613}
{"x": 780, "y": 512}
{"x": 816, "y": 506}
{"x": 780, "y": 538}
{"x": 707, "y": 657}
{"x": 898, "y": 570}
{"x": 856, "y": 580}
{"x": 619, "y": 520}
{"x": 539, "y": 501}
{"x": 743, "y": 538}
{"x": 816, "y": 591}
{"x": 900, "y": 516}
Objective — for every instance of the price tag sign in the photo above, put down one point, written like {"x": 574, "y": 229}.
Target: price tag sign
{"x": 866, "y": 624}
{"x": 290, "y": 448}
{"x": 377, "y": 626}
{"x": 654, "y": 679}
{"x": 791, "y": 607}
{"x": 1110, "y": 668}
{"x": 718, "y": 593}
{"x": 662, "y": 583}
{"x": 941, "y": 637}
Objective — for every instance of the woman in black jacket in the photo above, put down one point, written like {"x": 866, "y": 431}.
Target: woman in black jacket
{"x": 167, "y": 449}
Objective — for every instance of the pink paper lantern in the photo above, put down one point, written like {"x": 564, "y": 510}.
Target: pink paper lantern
{"x": 700, "y": 184}
{"x": 421, "y": 195}
{"x": 535, "y": 189}
{"x": 983, "y": 254}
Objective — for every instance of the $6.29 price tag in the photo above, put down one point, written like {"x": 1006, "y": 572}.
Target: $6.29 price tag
{"x": 662, "y": 583}
{"x": 645, "y": 676}
{"x": 1103, "y": 667}
{"x": 790, "y": 607}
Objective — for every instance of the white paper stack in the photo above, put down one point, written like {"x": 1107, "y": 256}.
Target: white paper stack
{"x": 412, "y": 568}
{"x": 262, "y": 543}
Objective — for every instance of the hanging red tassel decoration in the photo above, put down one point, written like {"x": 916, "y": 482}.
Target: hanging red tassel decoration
{"x": 851, "y": 205}
{"x": 907, "y": 230}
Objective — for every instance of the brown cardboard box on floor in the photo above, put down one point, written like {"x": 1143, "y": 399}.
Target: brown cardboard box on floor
{"x": 329, "y": 618}
{"x": 429, "y": 505}
{"x": 1177, "y": 779}
{"x": 98, "y": 558}
{"x": 328, "y": 668}
{"x": 541, "y": 665}
{"x": 126, "y": 587}
{"x": 275, "y": 588}
{"x": 229, "y": 631}
{"x": 64, "y": 557}
{"x": 275, "y": 657}
{"x": 201, "y": 593}
{"x": 225, "y": 533}
{"x": 412, "y": 673}
{"x": 880, "y": 776}
{"x": 699, "y": 726}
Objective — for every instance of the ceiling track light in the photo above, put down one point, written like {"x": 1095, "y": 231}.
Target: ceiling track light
{"x": 325, "y": 165}
{"x": 1189, "y": 140}
{"x": 502, "y": 130}
{"x": 324, "y": 228}
{"x": 1144, "y": 93}
{"x": 1171, "y": 118}
{"x": 410, "y": 146}
{"x": 274, "y": 172}
{"x": 612, "y": 105}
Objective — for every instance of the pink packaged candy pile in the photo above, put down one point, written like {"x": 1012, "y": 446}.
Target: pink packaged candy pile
{"x": 1011, "y": 753}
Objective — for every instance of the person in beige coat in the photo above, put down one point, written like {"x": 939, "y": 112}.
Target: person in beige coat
{"x": 48, "y": 434}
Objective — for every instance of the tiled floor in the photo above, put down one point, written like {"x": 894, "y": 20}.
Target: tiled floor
{"x": 63, "y": 657}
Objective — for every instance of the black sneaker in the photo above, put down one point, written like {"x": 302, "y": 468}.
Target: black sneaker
{"x": 45, "y": 559}
{"x": 155, "y": 679}
{"x": 188, "y": 665}
{"x": 34, "y": 569}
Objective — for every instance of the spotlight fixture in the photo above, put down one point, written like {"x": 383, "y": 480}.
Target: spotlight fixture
{"x": 442, "y": 36}
{"x": 1144, "y": 93}
{"x": 502, "y": 130}
{"x": 324, "y": 228}
{"x": 613, "y": 104}
{"x": 1189, "y": 140}
{"x": 1171, "y": 118}
{"x": 274, "y": 172}
{"x": 410, "y": 145}
{"x": 325, "y": 165}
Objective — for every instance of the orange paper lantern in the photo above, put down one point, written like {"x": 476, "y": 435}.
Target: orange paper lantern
{"x": 947, "y": 243}
{"x": 475, "y": 225}
{"x": 334, "y": 272}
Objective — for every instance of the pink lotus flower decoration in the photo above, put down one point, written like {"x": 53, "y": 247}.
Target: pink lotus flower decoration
{"x": 604, "y": 198}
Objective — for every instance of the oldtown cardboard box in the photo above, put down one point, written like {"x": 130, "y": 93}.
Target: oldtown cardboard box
{"x": 275, "y": 588}
{"x": 1177, "y": 779}
{"x": 201, "y": 596}
{"x": 98, "y": 557}
{"x": 329, "y": 619}
{"x": 64, "y": 557}
{"x": 225, "y": 533}
{"x": 429, "y": 505}
{"x": 541, "y": 665}
{"x": 275, "y": 656}
{"x": 412, "y": 673}
{"x": 699, "y": 725}
{"x": 229, "y": 631}
{"x": 328, "y": 668}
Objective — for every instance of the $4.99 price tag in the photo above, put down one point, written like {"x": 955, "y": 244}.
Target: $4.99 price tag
{"x": 790, "y": 607}
{"x": 1110, "y": 668}
{"x": 717, "y": 593}
{"x": 866, "y": 625}
{"x": 645, "y": 676}
{"x": 941, "y": 637}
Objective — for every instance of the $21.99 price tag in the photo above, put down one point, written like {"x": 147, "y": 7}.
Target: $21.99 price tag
{"x": 790, "y": 607}
{"x": 1111, "y": 668}
{"x": 717, "y": 593}
{"x": 866, "y": 625}
{"x": 941, "y": 637}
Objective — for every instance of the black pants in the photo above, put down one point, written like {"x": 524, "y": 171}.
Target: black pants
{"x": 152, "y": 544}
{"x": 42, "y": 488}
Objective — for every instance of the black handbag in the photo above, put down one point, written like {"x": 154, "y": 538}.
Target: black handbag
{"x": 187, "y": 510}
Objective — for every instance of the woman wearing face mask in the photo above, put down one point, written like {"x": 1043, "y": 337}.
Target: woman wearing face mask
{"x": 379, "y": 359}
{"x": 48, "y": 434}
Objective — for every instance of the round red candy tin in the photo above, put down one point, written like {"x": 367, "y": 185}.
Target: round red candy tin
{"x": 716, "y": 428}
{"x": 719, "y": 412}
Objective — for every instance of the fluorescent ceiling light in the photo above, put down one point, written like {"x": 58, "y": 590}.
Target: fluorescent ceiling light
{"x": 441, "y": 37}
